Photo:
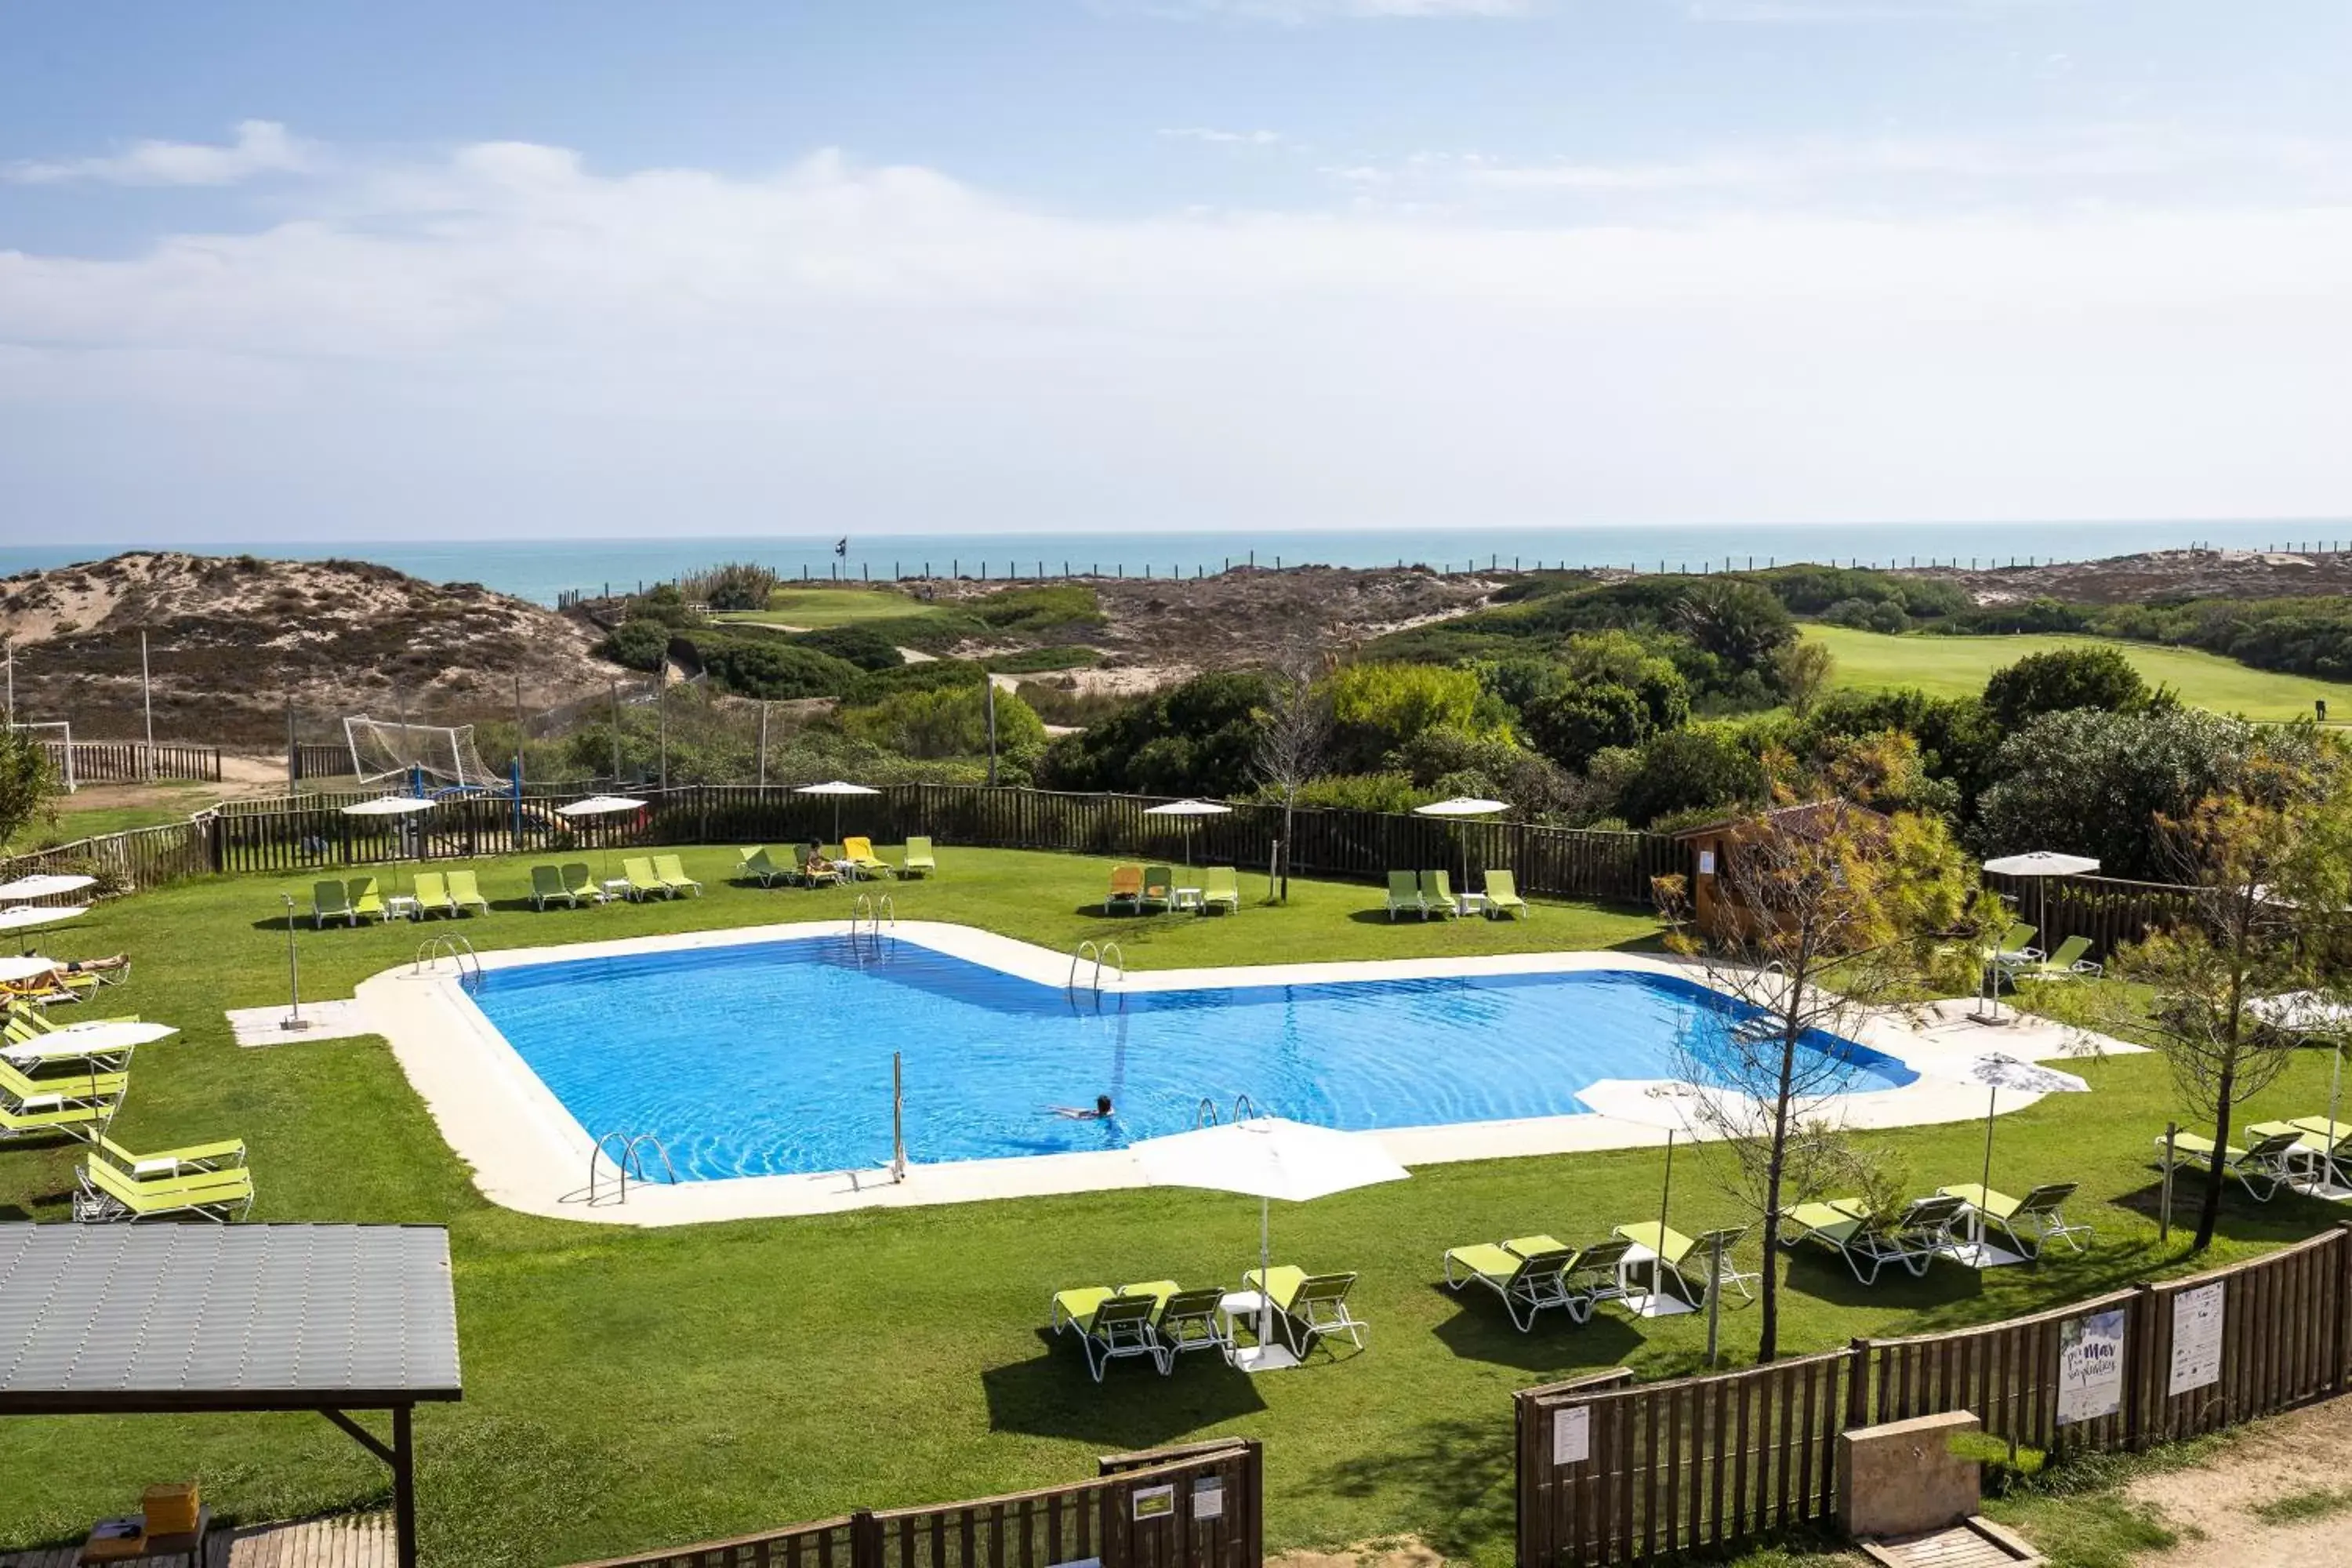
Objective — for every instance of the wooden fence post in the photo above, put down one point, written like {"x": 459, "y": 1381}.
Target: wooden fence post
{"x": 865, "y": 1540}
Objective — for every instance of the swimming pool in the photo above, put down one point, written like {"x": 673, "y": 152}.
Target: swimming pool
{"x": 773, "y": 1058}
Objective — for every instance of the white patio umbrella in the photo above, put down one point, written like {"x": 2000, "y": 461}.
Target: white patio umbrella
{"x": 2039, "y": 864}
{"x": 24, "y": 966}
{"x": 1683, "y": 1109}
{"x": 1267, "y": 1157}
{"x": 49, "y": 915}
{"x": 1188, "y": 809}
{"x": 100, "y": 1037}
{"x": 836, "y": 788}
{"x": 1462, "y": 805}
{"x": 390, "y": 805}
{"x": 602, "y": 806}
{"x": 1998, "y": 1070}
{"x": 2309, "y": 1012}
{"x": 45, "y": 885}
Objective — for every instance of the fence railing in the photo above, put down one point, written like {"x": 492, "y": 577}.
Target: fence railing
{"x": 132, "y": 762}
{"x": 320, "y": 760}
{"x": 2108, "y": 911}
{"x": 1609, "y": 1471}
{"x": 1201, "y": 1506}
{"x": 308, "y": 832}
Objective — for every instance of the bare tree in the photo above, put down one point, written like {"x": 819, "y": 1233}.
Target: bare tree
{"x": 1815, "y": 910}
{"x": 1294, "y": 736}
{"x": 2267, "y": 862}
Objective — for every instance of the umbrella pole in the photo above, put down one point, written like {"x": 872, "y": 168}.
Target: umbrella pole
{"x": 1264, "y": 1271}
{"x": 1992, "y": 1099}
{"x": 1666, "y": 1191}
{"x": 2335, "y": 1085}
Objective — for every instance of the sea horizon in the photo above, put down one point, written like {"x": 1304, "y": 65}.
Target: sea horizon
{"x": 543, "y": 569}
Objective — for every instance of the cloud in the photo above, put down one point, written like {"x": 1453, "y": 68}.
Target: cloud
{"x": 1299, "y": 12}
{"x": 1812, "y": 13}
{"x": 262, "y": 147}
{"x": 506, "y": 340}
{"x": 1222, "y": 138}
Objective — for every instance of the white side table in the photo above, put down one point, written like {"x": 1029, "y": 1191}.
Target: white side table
{"x": 1655, "y": 1301}
{"x": 400, "y": 907}
{"x": 1264, "y": 1356}
{"x": 615, "y": 888}
{"x": 1187, "y": 899}
{"x": 1471, "y": 903}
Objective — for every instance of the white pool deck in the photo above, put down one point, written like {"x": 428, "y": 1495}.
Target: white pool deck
{"x": 529, "y": 1154}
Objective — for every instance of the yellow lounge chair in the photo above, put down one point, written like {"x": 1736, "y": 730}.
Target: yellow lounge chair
{"x": 108, "y": 1193}
{"x": 1126, "y": 888}
{"x": 1503, "y": 896}
{"x": 920, "y": 861}
{"x": 859, "y": 852}
{"x": 643, "y": 882}
{"x": 433, "y": 895}
{"x": 672, "y": 872}
{"x": 466, "y": 893}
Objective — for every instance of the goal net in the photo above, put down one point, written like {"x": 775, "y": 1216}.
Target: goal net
{"x": 55, "y": 737}
{"x": 442, "y": 754}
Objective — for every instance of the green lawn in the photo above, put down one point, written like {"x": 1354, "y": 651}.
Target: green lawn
{"x": 629, "y": 1388}
{"x": 1956, "y": 667}
{"x": 811, "y": 608}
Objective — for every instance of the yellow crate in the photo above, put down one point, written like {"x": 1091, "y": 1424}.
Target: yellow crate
{"x": 171, "y": 1509}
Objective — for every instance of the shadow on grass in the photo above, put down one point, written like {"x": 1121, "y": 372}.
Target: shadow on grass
{"x": 1451, "y": 1478}
{"x": 1050, "y": 1395}
{"x": 1479, "y": 1329}
{"x": 2290, "y": 1216}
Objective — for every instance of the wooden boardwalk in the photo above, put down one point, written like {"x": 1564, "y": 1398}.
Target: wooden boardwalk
{"x": 360, "y": 1540}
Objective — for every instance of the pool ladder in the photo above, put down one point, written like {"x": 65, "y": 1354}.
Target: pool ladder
{"x": 1244, "y": 1109}
{"x": 460, "y": 954}
{"x": 629, "y": 1160}
{"x": 1101, "y": 954}
{"x": 868, "y": 914}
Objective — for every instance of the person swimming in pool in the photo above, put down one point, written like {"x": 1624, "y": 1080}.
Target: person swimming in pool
{"x": 1101, "y": 1112}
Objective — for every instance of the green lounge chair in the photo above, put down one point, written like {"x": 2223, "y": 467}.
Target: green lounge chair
{"x": 466, "y": 892}
{"x": 1595, "y": 1275}
{"x": 1404, "y": 893}
{"x": 1437, "y": 895}
{"x": 1221, "y": 889}
{"x": 756, "y": 863}
{"x": 1527, "y": 1282}
{"x": 1110, "y": 1323}
{"x": 365, "y": 899}
{"x": 919, "y": 861}
{"x": 1158, "y": 887}
{"x": 671, "y": 871}
{"x": 581, "y": 882}
{"x": 2012, "y": 948}
{"x": 1503, "y": 896}
{"x": 1187, "y": 1320}
{"x": 2031, "y": 1222}
{"x": 1868, "y": 1241}
{"x": 547, "y": 886}
{"x": 433, "y": 895}
{"x": 83, "y": 1121}
{"x": 108, "y": 1193}
{"x": 2261, "y": 1168}
{"x": 1709, "y": 1251}
{"x": 1308, "y": 1306}
{"x": 330, "y": 900}
{"x": 643, "y": 883}
{"x": 2067, "y": 963}
{"x": 193, "y": 1160}
{"x": 2323, "y": 1148}
{"x": 84, "y": 1087}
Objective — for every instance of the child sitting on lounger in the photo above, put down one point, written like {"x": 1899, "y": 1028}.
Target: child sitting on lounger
{"x": 1101, "y": 1112}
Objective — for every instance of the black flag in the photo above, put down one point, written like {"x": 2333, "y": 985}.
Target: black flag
{"x": 841, "y": 548}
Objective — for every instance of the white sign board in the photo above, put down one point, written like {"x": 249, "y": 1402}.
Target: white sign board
{"x": 2090, "y": 1367}
{"x": 2196, "y": 1339}
{"x": 1208, "y": 1499}
{"x": 1707, "y": 862}
{"x": 1571, "y": 1435}
{"x": 1155, "y": 1502}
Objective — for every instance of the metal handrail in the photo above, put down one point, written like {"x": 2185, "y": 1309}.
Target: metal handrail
{"x": 429, "y": 952}
{"x": 632, "y": 1159}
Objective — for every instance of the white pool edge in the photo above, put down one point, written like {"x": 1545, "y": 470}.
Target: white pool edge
{"x": 528, "y": 1152}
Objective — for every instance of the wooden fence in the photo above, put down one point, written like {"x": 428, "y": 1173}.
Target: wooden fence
{"x": 315, "y": 760}
{"x": 1199, "y": 1506}
{"x": 2109, "y": 911}
{"x": 132, "y": 762}
{"x": 1609, "y": 1471}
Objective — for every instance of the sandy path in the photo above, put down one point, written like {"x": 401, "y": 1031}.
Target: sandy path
{"x": 2299, "y": 1452}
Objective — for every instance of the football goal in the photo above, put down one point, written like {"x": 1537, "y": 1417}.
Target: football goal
{"x": 55, "y": 737}
{"x": 443, "y": 754}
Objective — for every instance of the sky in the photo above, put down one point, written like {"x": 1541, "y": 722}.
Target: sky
{"x": 571, "y": 267}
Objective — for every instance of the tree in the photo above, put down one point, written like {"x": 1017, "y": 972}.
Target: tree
{"x": 1378, "y": 707}
{"x": 1193, "y": 739}
{"x": 1740, "y": 623}
{"x": 2062, "y": 679}
{"x": 1294, "y": 735}
{"x": 1802, "y": 669}
{"x": 945, "y": 721}
{"x": 1617, "y": 658}
{"x": 2268, "y": 858}
{"x": 2087, "y": 782}
{"x": 28, "y": 786}
{"x": 1821, "y": 906}
{"x": 1682, "y": 770}
{"x": 1571, "y": 725}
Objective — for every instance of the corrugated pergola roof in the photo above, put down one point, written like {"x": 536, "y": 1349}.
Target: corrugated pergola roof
{"x": 121, "y": 1318}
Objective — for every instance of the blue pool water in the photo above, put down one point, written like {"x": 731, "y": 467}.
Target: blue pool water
{"x": 774, "y": 1058}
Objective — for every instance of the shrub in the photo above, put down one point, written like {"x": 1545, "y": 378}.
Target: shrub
{"x": 1704, "y": 766}
{"x": 930, "y": 675}
{"x": 2088, "y": 781}
{"x": 1376, "y": 708}
{"x": 1868, "y": 616}
{"x": 737, "y": 586}
{"x": 1739, "y": 623}
{"x": 860, "y": 645}
{"x": 1365, "y": 792}
{"x": 1193, "y": 739}
{"x": 1571, "y": 725}
{"x": 949, "y": 721}
{"x": 2064, "y": 679}
{"x": 1039, "y": 608}
{"x": 772, "y": 667}
{"x": 637, "y": 645}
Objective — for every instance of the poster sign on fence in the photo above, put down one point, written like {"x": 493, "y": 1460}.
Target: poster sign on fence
{"x": 2197, "y": 1318}
{"x": 1155, "y": 1502}
{"x": 2090, "y": 1367}
{"x": 1208, "y": 1499}
{"x": 1571, "y": 1435}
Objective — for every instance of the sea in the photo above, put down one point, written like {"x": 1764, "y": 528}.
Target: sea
{"x": 543, "y": 569}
